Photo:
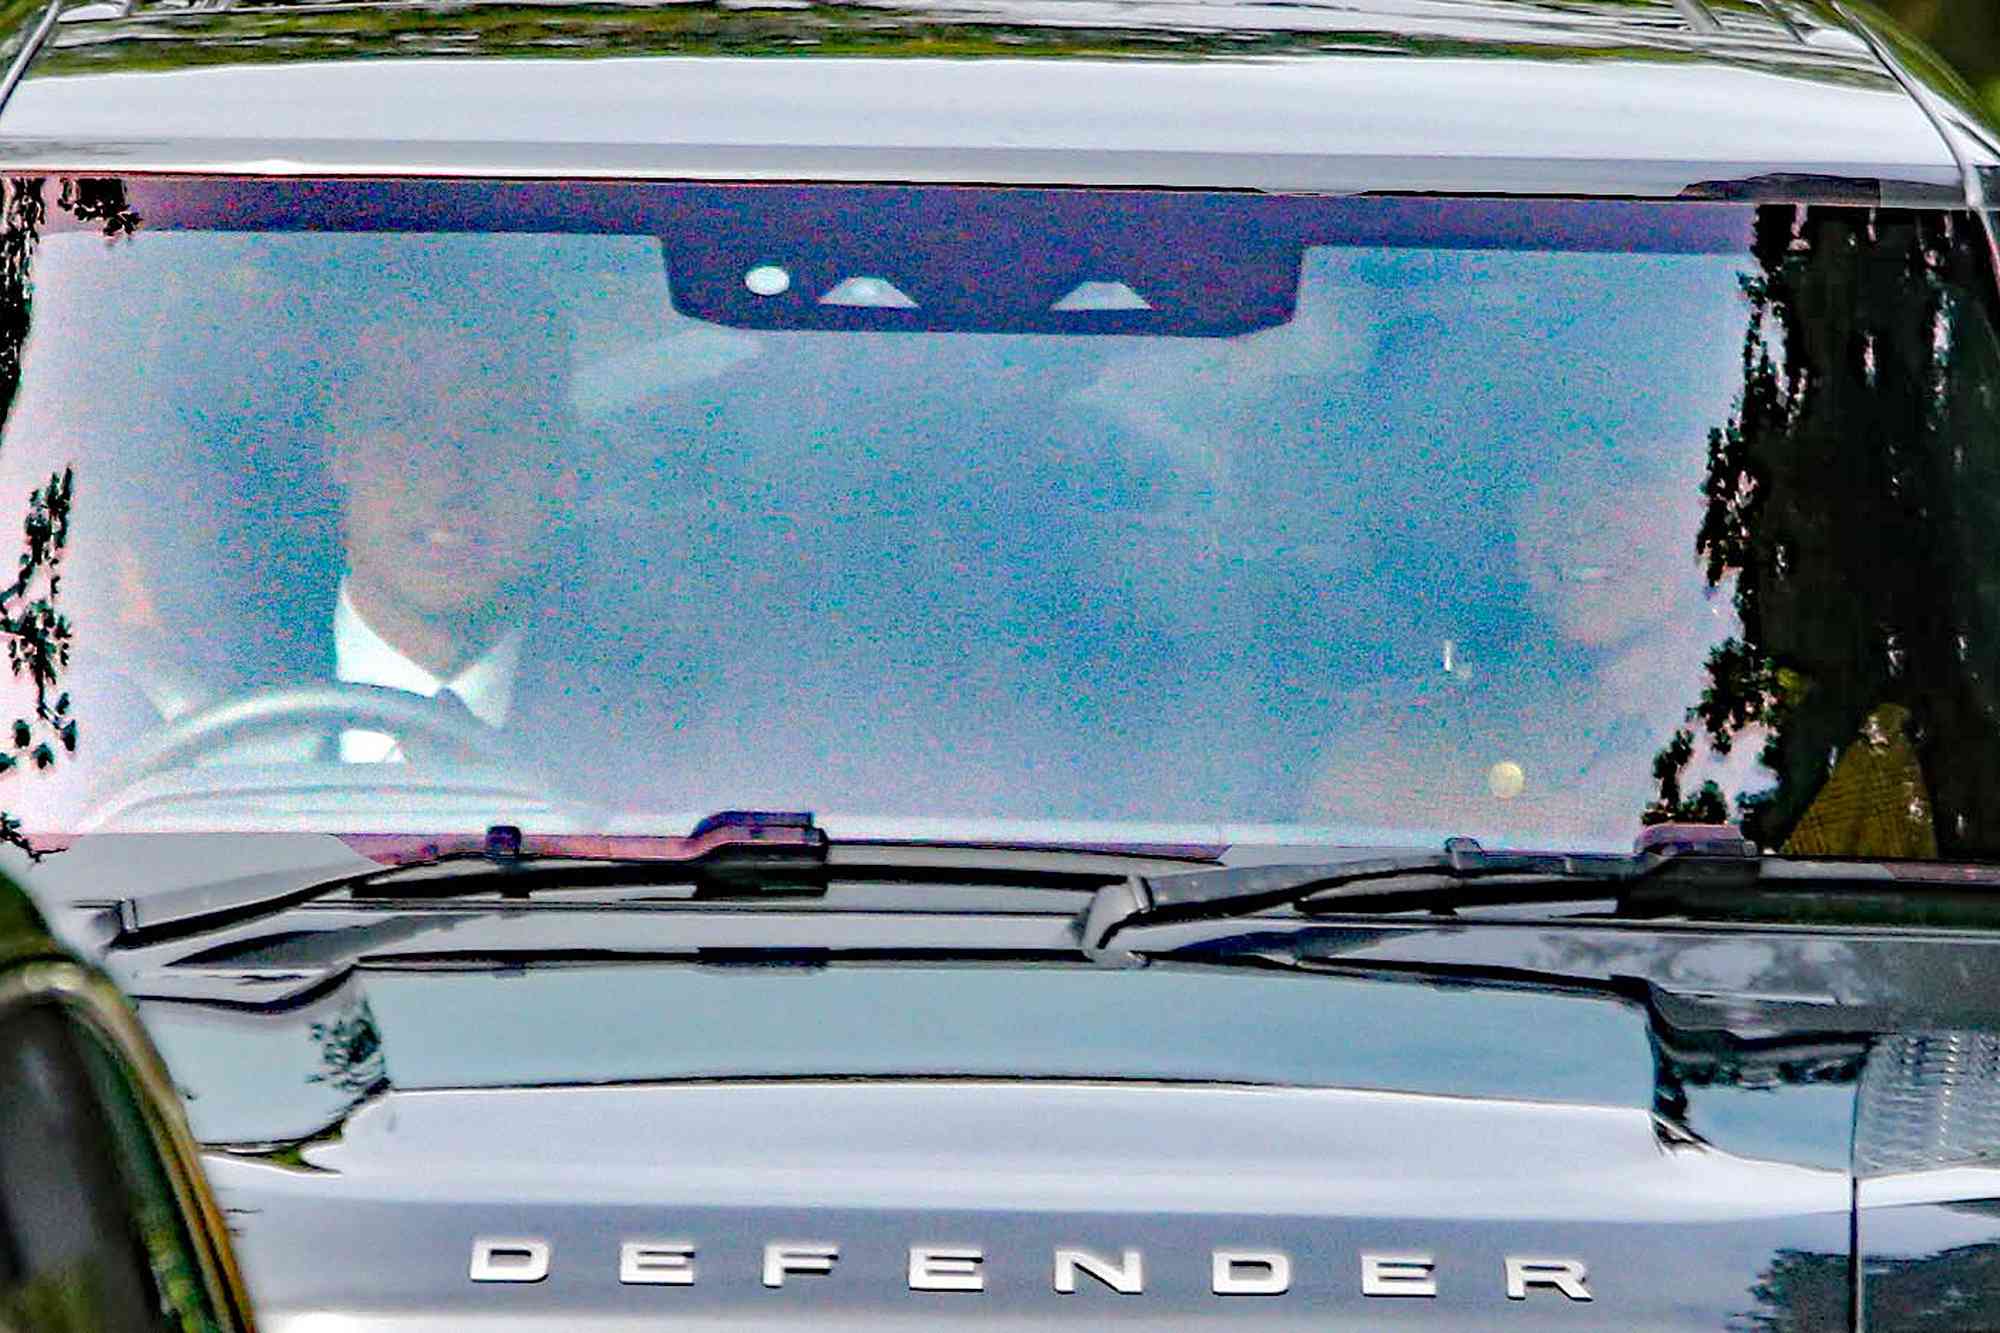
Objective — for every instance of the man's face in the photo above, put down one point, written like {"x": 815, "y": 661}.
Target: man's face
{"x": 451, "y": 476}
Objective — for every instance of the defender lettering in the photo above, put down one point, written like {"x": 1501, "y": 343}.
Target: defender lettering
{"x": 1234, "y": 1271}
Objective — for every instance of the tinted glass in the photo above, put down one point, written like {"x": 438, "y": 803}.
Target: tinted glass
{"x": 1061, "y": 513}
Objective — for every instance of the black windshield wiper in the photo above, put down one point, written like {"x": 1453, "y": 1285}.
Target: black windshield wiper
{"x": 734, "y": 854}
{"x": 744, "y": 848}
{"x": 772, "y": 851}
{"x": 1412, "y": 881}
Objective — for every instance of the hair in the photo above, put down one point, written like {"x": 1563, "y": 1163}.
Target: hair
{"x": 404, "y": 316}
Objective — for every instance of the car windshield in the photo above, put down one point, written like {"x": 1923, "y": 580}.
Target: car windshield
{"x": 1078, "y": 515}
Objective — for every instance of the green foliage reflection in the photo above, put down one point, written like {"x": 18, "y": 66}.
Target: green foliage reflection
{"x": 155, "y": 35}
{"x": 37, "y": 633}
{"x": 1852, "y": 499}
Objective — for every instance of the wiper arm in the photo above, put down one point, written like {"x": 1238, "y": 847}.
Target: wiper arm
{"x": 1400, "y": 883}
{"x": 753, "y": 853}
{"x": 734, "y": 846}
{"x": 785, "y": 832}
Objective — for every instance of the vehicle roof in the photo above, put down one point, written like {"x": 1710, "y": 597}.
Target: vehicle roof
{"x": 1626, "y": 97}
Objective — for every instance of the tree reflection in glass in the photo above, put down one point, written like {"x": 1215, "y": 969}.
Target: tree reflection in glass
{"x": 1852, "y": 500}
{"x": 37, "y": 633}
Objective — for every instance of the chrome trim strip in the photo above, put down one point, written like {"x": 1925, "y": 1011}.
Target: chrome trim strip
{"x": 1914, "y": 185}
{"x": 95, "y": 1003}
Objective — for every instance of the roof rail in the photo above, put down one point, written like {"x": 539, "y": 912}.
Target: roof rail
{"x": 1698, "y": 16}
{"x": 29, "y": 50}
{"x": 1776, "y": 10}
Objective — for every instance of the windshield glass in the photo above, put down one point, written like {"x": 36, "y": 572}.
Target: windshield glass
{"x": 1078, "y": 515}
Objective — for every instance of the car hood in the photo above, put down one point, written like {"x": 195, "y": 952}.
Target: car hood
{"x": 1150, "y": 1182}
{"x": 1694, "y": 1161}
{"x": 1718, "y": 1125}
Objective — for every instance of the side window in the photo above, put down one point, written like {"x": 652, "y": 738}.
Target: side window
{"x": 70, "y": 1257}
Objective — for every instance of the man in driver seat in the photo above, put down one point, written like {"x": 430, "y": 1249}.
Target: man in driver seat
{"x": 447, "y": 446}
{"x": 387, "y": 498}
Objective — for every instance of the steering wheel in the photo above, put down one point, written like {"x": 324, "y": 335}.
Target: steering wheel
{"x": 322, "y": 709}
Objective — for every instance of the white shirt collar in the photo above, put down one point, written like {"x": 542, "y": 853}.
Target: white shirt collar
{"x": 363, "y": 657}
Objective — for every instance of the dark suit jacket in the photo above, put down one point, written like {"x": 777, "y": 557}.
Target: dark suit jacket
{"x": 597, "y": 673}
